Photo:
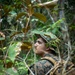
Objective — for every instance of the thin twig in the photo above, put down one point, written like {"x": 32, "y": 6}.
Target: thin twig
{"x": 28, "y": 67}
{"x": 50, "y": 15}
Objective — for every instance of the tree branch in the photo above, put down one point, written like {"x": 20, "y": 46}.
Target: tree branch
{"x": 51, "y": 3}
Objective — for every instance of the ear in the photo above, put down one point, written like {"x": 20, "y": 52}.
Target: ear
{"x": 51, "y": 48}
{"x": 47, "y": 49}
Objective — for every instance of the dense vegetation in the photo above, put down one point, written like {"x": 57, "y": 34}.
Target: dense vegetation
{"x": 21, "y": 19}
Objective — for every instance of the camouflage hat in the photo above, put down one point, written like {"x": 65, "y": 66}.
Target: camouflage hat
{"x": 47, "y": 36}
{"x": 44, "y": 37}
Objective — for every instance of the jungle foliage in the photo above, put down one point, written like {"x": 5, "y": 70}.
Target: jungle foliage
{"x": 21, "y": 19}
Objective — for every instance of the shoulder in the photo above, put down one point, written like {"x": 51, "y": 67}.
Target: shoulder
{"x": 42, "y": 66}
{"x": 44, "y": 63}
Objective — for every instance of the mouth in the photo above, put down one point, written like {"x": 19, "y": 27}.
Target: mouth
{"x": 35, "y": 49}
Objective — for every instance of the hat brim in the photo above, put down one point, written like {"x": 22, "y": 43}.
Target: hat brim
{"x": 40, "y": 36}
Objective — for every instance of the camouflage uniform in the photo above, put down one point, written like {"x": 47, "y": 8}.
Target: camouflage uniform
{"x": 43, "y": 66}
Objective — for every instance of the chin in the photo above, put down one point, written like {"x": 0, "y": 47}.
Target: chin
{"x": 36, "y": 52}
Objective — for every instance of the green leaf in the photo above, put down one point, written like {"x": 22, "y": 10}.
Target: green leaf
{"x": 57, "y": 24}
{"x": 36, "y": 32}
{"x": 11, "y": 52}
{"x": 12, "y": 71}
{"x": 2, "y": 38}
{"x": 40, "y": 16}
{"x": 51, "y": 35}
{"x": 14, "y": 50}
{"x": 20, "y": 15}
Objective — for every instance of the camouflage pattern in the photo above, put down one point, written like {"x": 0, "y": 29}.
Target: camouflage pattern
{"x": 42, "y": 67}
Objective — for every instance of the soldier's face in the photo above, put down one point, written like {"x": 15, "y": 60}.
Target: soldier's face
{"x": 40, "y": 47}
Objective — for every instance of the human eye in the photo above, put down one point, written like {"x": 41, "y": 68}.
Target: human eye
{"x": 39, "y": 42}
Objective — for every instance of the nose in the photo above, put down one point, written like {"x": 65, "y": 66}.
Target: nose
{"x": 35, "y": 45}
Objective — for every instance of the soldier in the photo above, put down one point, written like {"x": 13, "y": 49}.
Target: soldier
{"x": 42, "y": 49}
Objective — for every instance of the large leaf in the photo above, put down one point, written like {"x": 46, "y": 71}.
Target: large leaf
{"x": 30, "y": 10}
{"x": 12, "y": 71}
{"x": 11, "y": 52}
{"x": 40, "y": 16}
{"x": 28, "y": 2}
{"x": 14, "y": 50}
{"x": 20, "y": 15}
{"x": 26, "y": 46}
